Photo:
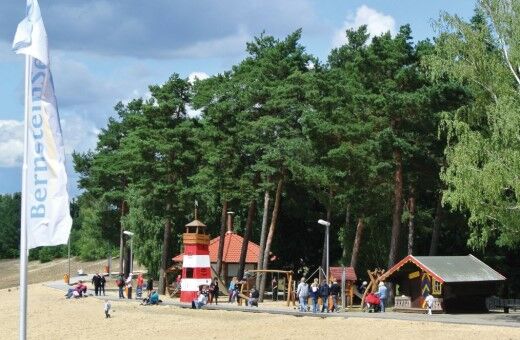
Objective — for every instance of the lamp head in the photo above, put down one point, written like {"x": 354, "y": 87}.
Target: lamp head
{"x": 324, "y": 223}
{"x": 129, "y": 233}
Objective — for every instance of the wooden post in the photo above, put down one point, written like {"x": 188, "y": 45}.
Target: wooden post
{"x": 289, "y": 288}
{"x": 343, "y": 278}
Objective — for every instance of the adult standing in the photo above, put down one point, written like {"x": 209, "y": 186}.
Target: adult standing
{"x": 231, "y": 289}
{"x": 214, "y": 291}
{"x": 335, "y": 291}
{"x": 120, "y": 282}
{"x": 314, "y": 293}
{"x": 303, "y": 294}
{"x": 128, "y": 283}
{"x": 382, "y": 293}
{"x": 96, "y": 281}
{"x": 102, "y": 282}
{"x": 324, "y": 294}
{"x": 274, "y": 288}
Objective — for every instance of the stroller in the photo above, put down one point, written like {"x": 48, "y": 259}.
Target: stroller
{"x": 373, "y": 303}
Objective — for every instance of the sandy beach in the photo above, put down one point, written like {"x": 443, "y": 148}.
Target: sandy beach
{"x": 51, "y": 316}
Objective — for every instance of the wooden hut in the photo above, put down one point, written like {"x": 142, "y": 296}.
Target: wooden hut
{"x": 456, "y": 282}
{"x": 337, "y": 273}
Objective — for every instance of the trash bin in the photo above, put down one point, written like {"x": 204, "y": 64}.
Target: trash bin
{"x": 66, "y": 278}
{"x": 107, "y": 269}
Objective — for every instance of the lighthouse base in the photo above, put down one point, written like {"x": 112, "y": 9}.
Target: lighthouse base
{"x": 188, "y": 297}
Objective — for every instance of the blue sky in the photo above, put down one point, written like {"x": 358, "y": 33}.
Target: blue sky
{"x": 105, "y": 51}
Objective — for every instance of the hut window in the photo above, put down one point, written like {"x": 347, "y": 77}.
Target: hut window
{"x": 436, "y": 287}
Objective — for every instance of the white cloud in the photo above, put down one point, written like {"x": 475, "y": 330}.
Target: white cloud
{"x": 79, "y": 134}
{"x": 229, "y": 45}
{"x": 376, "y": 22}
{"x": 193, "y": 76}
{"x": 11, "y": 143}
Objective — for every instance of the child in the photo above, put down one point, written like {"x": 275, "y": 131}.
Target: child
{"x": 429, "y": 303}
{"x": 107, "y": 309}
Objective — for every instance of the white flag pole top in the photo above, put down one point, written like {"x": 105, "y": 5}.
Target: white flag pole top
{"x": 46, "y": 199}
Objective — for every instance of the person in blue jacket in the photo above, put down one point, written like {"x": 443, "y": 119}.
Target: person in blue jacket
{"x": 314, "y": 293}
{"x": 382, "y": 293}
{"x": 324, "y": 294}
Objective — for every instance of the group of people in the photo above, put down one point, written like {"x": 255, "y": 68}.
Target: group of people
{"x": 79, "y": 290}
{"x": 99, "y": 282}
{"x": 316, "y": 292}
{"x": 127, "y": 283}
{"x": 207, "y": 294}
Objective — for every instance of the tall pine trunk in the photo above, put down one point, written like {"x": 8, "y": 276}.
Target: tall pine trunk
{"x": 344, "y": 241}
{"x": 222, "y": 237}
{"x": 265, "y": 217}
{"x": 398, "y": 208}
{"x": 121, "y": 237}
{"x": 165, "y": 253}
{"x": 247, "y": 236}
{"x": 436, "y": 226}
{"x": 270, "y": 235}
{"x": 411, "y": 221}
{"x": 357, "y": 242}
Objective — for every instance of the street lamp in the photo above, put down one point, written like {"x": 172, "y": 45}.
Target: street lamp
{"x": 130, "y": 234}
{"x": 327, "y": 228}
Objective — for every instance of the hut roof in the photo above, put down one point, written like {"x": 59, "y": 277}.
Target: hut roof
{"x": 195, "y": 223}
{"x": 350, "y": 273}
{"x": 232, "y": 248}
{"x": 450, "y": 268}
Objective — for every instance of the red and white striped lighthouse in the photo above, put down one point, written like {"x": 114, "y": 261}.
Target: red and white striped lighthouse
{"x": 196, "y": 270}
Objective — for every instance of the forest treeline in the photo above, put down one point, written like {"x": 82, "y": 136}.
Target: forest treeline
{"x": 405, "y": 147}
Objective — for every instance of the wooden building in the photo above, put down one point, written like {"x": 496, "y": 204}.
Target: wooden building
{"x": 458, "y": 283}
{"x": 336, "y": 274}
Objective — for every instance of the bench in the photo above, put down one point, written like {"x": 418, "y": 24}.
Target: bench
{"x": 494, "y": 302}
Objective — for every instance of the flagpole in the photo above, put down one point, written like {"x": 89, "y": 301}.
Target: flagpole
{"x": 23, "y": 220}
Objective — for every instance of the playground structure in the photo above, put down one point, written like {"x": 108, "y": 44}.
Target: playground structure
{"x": 249, "y": 283}
{"x": 374, "y": 277}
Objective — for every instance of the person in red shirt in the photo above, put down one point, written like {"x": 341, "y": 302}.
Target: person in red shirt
{"x": 140, "y": 283}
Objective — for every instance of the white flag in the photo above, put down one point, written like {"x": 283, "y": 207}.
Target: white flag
{"x": 46, "y": 212}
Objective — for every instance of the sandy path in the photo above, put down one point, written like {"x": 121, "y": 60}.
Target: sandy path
{"x": 51, "y": 316}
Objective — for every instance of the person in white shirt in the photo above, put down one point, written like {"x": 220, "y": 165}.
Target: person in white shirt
{"x": 107, "y": 307}
{"x": 429, "y": 303}
{"x": 128, "y": 283}
{"x": 303, "y": 294}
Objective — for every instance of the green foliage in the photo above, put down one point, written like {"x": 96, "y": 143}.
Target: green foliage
{"x": 9, "y": 225}
{"x": 328, "y": 130}
{"x": 483, "y": 147}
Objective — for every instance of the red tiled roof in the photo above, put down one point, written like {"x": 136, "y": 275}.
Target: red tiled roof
{"x": 335, "y": 272}
{"x": 232, "y": 248}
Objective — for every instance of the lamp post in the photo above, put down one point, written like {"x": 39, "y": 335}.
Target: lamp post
{"x": 327, "y": 228}
{"x": 68, "y": 256}
{"x": 130, "y": 235}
